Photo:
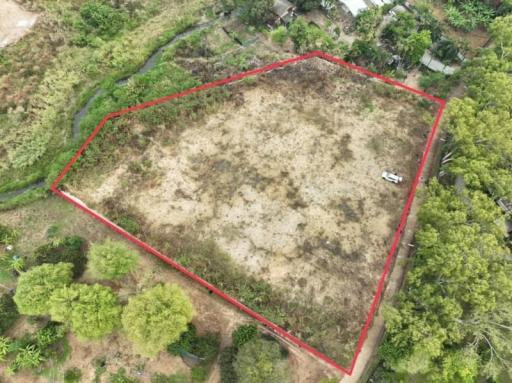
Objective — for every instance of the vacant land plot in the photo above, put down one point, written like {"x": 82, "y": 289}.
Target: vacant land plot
{"x": 277, "y": 186}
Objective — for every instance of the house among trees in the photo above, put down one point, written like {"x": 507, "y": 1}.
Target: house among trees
{"x": 283, "y": 12}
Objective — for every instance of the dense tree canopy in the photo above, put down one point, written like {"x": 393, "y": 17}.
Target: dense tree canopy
{"x": 255, "y": 11}
{"x": 157, "y": 317}
{"x": 37, "y": 285}
{"x": 112, "y": 260}
{"x": 92, "y": 311}
{"x": 453, "y": 320}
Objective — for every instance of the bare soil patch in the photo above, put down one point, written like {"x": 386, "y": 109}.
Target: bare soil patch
{"x": 285, "y": 178}
{"x": 15, "y": 22}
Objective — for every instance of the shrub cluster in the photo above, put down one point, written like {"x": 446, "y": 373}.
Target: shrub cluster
{"x": 32, "y": 350}
{"x": 253, "y": 359}
{"x": 205, "y": 347}
{"x": 71, "y": 249}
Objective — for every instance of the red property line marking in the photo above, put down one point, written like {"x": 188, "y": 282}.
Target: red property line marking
{"x": 280, "y": 64}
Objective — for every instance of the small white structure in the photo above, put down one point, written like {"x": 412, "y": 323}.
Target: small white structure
{"x": 354, "y": 6}
{"x": 392, "y": 177}
{"x": 436, "y": 65}
{"x": 357, "y": 6}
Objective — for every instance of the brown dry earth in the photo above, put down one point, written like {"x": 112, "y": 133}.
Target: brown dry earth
{"x": 286, "y": 178}
{"x": 15, "y": 22}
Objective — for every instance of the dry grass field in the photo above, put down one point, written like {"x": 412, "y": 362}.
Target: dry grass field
{"x": 284, "y": 177}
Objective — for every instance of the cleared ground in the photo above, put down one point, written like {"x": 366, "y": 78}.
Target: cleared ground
{"x": 285, "y": 177}
{"x": 14, "y": 22}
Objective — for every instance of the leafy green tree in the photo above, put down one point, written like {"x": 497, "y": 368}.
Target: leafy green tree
{"x": 260, "y": 361}
{"x": 369, "y": 55}
{"x": 400, "y": 28}
{"x": 37, "y": 285}
{"x": 308, "y": 37}
{"x": 367, "y": 22}
{"x": 112, "y": 260}
{"x": 501, "y": 32}
{"x": 413, "y": 47}
{"x": 92, "y": 311}
{"x": 100, "y": 18}
{"x": 255, "y": 11}
{"x": 8, "y": 312}
{"x": 157, "y": 318}
{"x": 458, "y": 293}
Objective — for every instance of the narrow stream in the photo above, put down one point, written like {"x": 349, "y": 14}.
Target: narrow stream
{"x": 79, "y": 116}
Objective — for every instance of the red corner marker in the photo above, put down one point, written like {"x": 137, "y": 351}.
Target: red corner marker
{"x": 280, "y": 64}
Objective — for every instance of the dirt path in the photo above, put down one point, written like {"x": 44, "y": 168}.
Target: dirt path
{"x": 14, "y": 22}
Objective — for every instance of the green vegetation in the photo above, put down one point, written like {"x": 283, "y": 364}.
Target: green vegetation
{"x": 36, "y": 141}
{"x": 253, "y": 358}
{"x": 37, "y": 285}
{"x": 5, "y": 347}
{"x": 279, "y": 35}
{"x": 447, "y": 51}
{"x": 73, "y": 375}
{"x": 8, "y": 236}
{"x": 112, "y": 260}
{"x": 255, "y": 12}
{"x": 157, "y": 317}
{"x": 70, "y": 249}
{"x": 226, "y": 364}
{"x": 437, "y": 83}
{"x": 468, "y": 14}
{"x": 307, "y": 37}
{"x": 316, "y": 324}
{"x": 8, "y": 312}
{"x": 205, "y": 347}
{"x": 244, "y": 334}
{"x": 403, "y": 35}
{"x": 261, "y": 361}
{"x": 369, "y": 55}
{"x": 33, "y": 350}
{"x": 451, "y": 323}
{"x": 98, "y": 19}
{"x": 367, "y": 22}
{"x": 91, "y": 311}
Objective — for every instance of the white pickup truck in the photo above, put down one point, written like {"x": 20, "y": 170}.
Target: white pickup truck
{"x": 392, "y": 177}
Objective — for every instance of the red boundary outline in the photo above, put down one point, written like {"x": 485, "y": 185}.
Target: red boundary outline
{"x": 396, "y": 239}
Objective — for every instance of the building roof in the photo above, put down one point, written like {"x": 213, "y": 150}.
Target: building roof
{"x": 282, "y": 7}
{"x": 354, "y": 6}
